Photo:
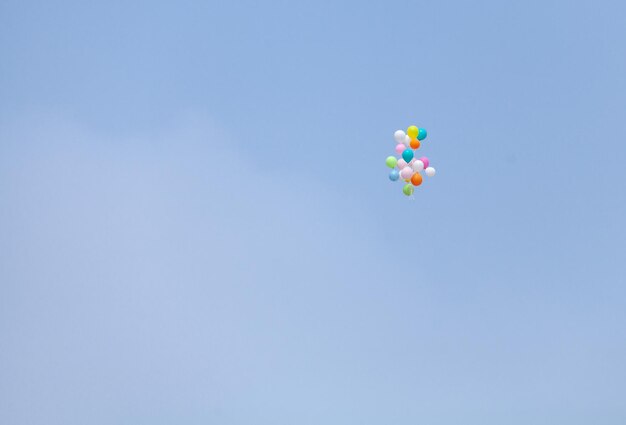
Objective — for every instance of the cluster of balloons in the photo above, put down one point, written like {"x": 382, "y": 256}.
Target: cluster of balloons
{"x": 408, "y": 167}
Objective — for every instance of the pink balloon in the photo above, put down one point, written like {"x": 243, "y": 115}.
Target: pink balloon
{"x": 401, "y": 164}
{"x": 406, "y": 173}
{"x": 425, "y": 161}
{"x": 412, "y": 161}
{"x": 400, "y": 148}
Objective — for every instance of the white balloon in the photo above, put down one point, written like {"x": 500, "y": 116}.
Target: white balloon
{"x": 401, "y": 164}
{"x": 418, "y": 166}
{"x": 430, "y": 171}
{"x": 406, "y": 173}
{"x": 399, "y": 136}
{"x": 407, "y": 140}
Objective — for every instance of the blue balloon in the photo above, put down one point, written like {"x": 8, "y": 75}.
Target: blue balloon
{"x": 407, "y": 155}
{"x": 421, "y": 135}
{"x": 394, "y": 175}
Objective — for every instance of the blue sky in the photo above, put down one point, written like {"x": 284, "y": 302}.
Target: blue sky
{"x": 197, "y": 226}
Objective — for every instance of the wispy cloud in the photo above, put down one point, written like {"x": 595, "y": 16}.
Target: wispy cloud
{"x": 170, "y": 268}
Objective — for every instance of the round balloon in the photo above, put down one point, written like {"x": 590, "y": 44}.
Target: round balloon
{"x": 406, "y": 141}
{"x": 418, "y": 166}
{"x": 407, "y": 190}
{"x": 430, "y": 171}
{"x": 401, "y": 164}
{"x": 394, "y": 175}
{"x": 421, "y": 134}
{"x": 425, "y": 161}
{"x": 412, "y": 132}
{"x": 415, "y": 144}
{"x": 406, "y": 173}
{"x": 399, "y": 136}
{"x": 400, "y": 148}
{"x": 407, "y": 155}
{"x": 391, "y": 161}
{"x": 416, "y": 179}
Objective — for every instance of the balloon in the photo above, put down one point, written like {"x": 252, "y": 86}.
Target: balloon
{"x": 399, "y": 136}
{"x": 391, "y": 161}
{"x": 416, "y": 179}
{"x": 406, "y": 167}
{"x": 406, "y": 173}
{"x": 421, "y": 135}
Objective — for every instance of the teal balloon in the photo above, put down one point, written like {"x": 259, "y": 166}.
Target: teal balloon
{"x": 394, "y": 175}
{"x": 407, "y": 155}
{"x": 421, "y": 135}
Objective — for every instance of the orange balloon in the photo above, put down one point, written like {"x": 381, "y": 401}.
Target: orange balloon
{"x": 416, "y": 179}
{"x": 415, "y": 144}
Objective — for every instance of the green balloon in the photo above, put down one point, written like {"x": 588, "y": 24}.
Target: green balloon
{"x": 391, "y": 161}
{"x": 407, "y": 189}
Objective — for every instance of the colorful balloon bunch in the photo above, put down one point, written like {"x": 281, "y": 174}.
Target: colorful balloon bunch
{"x": 409, "y": 168}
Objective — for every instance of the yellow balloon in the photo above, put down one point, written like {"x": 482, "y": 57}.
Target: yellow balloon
{"x": 412, "y": 132}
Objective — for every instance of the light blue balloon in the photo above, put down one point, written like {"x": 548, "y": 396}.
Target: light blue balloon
{"x": 394, "y": 175}
{"x": 407, "y": 155}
